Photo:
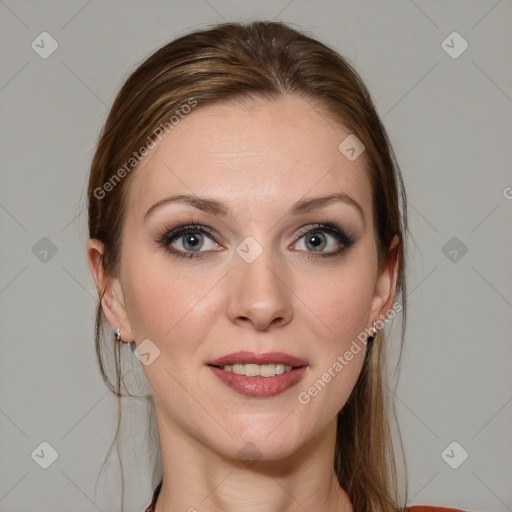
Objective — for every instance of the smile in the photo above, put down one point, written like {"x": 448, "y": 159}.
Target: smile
{"x": 257, "y": 370}
{"x": 259, "y": 375}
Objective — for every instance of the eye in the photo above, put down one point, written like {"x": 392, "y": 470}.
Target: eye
{"x": 184, "y": 241}
{"x": 326, "y": 239}
{"x": 317, "y": 240}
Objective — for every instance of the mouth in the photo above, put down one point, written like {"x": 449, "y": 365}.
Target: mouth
{"x": 259, "y": 375}
{"x": 257, "y": 370}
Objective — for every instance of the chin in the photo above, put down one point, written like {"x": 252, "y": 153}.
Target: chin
{"x": 257, "y": 451}
{"x": 259, "y": 439}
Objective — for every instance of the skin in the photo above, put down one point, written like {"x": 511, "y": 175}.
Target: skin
{"x": 259, "y": 161}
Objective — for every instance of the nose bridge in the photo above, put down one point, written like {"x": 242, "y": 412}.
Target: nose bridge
{"x": 259, "y": 290}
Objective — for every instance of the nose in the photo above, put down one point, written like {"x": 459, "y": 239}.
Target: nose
{"x": 260, "y": 296}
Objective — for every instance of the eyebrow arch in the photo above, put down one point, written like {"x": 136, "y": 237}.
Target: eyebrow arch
{"x": 219, "y": 208}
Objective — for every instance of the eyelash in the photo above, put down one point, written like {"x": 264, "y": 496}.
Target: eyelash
{"x": 329, "y": 227}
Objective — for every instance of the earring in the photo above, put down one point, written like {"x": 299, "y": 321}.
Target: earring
{"x": 374, "y": 332}
{"x": 117, "y": 332}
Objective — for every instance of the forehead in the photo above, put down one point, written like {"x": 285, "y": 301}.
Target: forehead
{"x": 279, "y": 150}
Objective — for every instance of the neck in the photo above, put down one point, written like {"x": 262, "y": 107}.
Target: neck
{"x": 199, "y": 479}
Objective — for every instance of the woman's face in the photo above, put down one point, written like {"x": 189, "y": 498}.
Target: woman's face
{"x": 256, "y": 278}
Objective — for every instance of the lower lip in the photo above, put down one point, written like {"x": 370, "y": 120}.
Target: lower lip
{"x": 260, "y": 387}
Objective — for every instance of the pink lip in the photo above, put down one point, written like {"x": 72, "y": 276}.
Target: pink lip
{"x": 244, "y": 357}
{"x": 259, "y": 387}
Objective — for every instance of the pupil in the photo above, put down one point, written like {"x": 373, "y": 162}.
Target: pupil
{"x": 315, "y": 241}
{"x": 192, "y": 241}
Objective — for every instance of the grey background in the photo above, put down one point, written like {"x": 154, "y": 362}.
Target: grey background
{"x": 450, "y": 123}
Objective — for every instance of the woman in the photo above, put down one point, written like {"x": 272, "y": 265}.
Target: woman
{"x": 247, "y": 231}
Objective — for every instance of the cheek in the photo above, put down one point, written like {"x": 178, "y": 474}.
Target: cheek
{"x": 176, "y": 305}
{"x": 340, "y": 305}
{"x": 166, "y": 303}
{"x": 341, "y": 301}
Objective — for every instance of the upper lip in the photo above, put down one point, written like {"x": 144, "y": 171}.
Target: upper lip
{"x": 243, "y": 357}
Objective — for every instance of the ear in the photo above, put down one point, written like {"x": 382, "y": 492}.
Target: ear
{"x": 109, "y": 290}
{"x": 385, "y": 286}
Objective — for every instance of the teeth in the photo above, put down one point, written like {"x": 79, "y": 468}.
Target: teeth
{"x": 257, "y": 370}
{"x": 279, "y": 368}
{"x": 252, "y": 370}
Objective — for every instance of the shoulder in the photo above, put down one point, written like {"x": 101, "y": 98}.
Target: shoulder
{"x": 425, "y": 508}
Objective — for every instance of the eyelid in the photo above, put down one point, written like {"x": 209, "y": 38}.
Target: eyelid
{"x": 330, "y": 227}
{"x": 182, "y": 229}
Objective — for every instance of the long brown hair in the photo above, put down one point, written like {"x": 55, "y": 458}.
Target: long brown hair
{"x": 262, "y": 60}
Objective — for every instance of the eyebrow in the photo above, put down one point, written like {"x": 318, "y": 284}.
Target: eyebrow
{"x": 219, "y": 208}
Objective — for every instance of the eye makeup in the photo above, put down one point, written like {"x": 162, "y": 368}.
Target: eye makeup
{"x": 195, "y": 234}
